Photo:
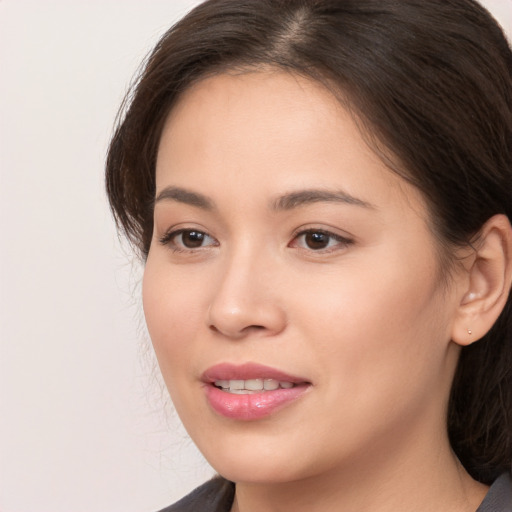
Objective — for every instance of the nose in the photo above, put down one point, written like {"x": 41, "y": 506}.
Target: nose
{"x": 245, "y": 302}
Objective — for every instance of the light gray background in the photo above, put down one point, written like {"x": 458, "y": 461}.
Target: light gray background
{"x": 83, "y": 422}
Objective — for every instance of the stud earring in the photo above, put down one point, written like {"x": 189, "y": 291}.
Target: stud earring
{"x": 470, "y": 332}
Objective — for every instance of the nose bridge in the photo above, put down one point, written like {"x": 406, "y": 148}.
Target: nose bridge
{"x": 244, "y": 300}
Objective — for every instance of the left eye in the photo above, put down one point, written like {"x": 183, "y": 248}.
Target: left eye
{"x": 317, "y": 240}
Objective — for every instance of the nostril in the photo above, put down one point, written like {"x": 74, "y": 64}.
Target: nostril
{"x": 255, "y": 327}
{"x": 237, "y": 333}
{"x": 236, "y": 321}
{"x": 252, "y": 329}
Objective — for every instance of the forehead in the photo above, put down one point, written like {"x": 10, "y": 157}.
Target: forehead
{"x": 270, "y": 127}
{"x": 239, "y": 110}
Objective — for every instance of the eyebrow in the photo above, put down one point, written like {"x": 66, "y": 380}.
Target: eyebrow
{"x": 306, "y": 197}
{"x": 285, "y": 202}
{"x": 185, "y": 196}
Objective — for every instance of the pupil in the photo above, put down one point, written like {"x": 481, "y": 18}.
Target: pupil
{"x": 317, "y": 240}
{"x": 192, "y": 239}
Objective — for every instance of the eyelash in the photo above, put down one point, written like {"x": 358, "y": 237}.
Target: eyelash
{"x": 169, "y": 237}
{"x": 341, "y": 240}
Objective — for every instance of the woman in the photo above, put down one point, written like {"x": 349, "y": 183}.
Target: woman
{"x": 321, "y": 191}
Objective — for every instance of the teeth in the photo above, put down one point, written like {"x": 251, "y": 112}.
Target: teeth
{"x": 251, "y": 386}
{"x": 270, "y": 384}
{"x": 235, "y": 385}
{"x": 254, "y": 384}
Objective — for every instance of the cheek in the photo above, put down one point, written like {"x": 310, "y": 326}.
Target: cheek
{"x": 172, "y": 313}
{"x": 384, "y": 320}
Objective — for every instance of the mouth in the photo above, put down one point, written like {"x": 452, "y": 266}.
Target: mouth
{"x": 252, "y": 386}
{"x": 251, "y": 391}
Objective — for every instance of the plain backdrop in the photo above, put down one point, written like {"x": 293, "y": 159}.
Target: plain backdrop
{"x": 84, "y": 423}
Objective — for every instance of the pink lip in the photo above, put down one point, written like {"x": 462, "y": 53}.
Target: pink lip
{"x": 251, "y": 406}
{"x": 227, "y": 371}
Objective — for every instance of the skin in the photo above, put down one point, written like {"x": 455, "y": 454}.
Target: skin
{"x": 367, "y": 320}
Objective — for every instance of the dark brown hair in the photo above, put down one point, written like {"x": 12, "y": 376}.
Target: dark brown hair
{"x": 429, "y": 80}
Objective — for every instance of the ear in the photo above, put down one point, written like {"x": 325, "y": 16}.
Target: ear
{"x": 487, "y": 283}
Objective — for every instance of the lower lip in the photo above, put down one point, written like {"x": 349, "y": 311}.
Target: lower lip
{"x": 252, "y": 406}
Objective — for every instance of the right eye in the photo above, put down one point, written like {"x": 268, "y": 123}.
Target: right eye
{"x": 187, "y": 240}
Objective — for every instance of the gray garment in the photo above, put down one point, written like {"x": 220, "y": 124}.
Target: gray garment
{"x": 217, "y": 496}
{"x": 499, "y": 497}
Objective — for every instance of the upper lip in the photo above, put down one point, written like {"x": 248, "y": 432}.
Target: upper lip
{"x": 246, "y": 371}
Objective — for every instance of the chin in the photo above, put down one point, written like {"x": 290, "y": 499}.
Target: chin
{"x": 251, "y": 458}
{"x": 260, "y": 471}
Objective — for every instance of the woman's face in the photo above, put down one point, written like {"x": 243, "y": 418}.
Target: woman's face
{"x": 286, "y": 255}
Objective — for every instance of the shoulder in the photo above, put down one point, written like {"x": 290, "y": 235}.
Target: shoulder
{"x": 499, "y": 497}
{"x": 216, "y": 495}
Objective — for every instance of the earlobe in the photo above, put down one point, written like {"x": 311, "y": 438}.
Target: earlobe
{"x": 488, "y": 286}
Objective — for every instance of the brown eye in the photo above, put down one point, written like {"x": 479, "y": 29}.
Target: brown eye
{"x": 192, "y": 239}
{"x": 187, "y": 240}
{"x": 316, "y": 240}
{"x": 320, "y": 241}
